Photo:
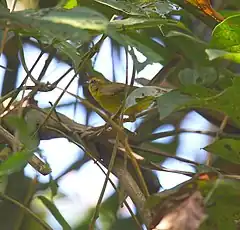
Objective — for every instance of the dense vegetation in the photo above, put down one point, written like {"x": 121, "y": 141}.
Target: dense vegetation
{"x": 198, "y": 45}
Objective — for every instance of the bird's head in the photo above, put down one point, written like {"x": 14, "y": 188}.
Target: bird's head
{"x": 94, "y": 84}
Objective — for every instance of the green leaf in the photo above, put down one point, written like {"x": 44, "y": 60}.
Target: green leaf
{"x": 143, "y": 95}
{"x": 144, "y": 44}
{"x": 226, "y": 101}
{"x": 198, "y": 92}
{"x": 229, "y": 149}
{"x": 70, "y": 51}
{"x": 188, "y": 76}
{"x": 170, "y": 102}
{"x": 213, "y": 54}
{"x": 223, "y": 207}
{"x": 189, "y": 45}
{"x": 78, "y": 17}
{"x": 202, "y": 75}
{"x": 226, "y": 35}
{"x": 55, "y": 212}
{"x": 55, "y": 23}
{"x": 141, "y": 23}
{"x": 225, "y": 40}
{"x": 64, "y": 29}
{"x": 69, "y": 4}
{"x": 15, "y": 162}
{"x": 124, "y": 6}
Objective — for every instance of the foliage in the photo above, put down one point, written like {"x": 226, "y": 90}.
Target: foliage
{"x": 199, "y": 52}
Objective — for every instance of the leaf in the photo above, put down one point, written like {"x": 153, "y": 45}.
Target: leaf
{"x": 202, "y": 75}
{"x": 15, "y": 162}
{"x": 69, "y": 4}
{"x": 170, "y": 102}
{"x": 149, "y": 48}
{"x": 189, "y": 46}
{"x": 226, "y": 101}
{"x": 196, "y": 96}
{"x": 65, "y": 48}
{"x": 229, "y": 149}
{"x": 225, "y": 40}
{"x": 188, "y": 76}
{"x": 141, "y": 98}
{"x": 124, "y": 6}
{"x": 213, "y": 54}
{"x": 55, "y": 23}
{"x": 141, "y": 23}
{"x": 55, "y": 212}
{"x": 225, "y": 197}
{"x": 65, "y": 29}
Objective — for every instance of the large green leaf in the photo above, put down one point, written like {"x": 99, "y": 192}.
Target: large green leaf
{"x": 226, "y": 101}
{"x": 196, "y": 96}
{"x": 228, "y": 149}
{"x": 59, "y": 24}
{"x": 225, "y": 40}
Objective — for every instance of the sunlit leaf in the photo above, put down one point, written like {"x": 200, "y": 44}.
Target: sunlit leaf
{"x": 225, "y": 40}
{"x": 69, "y": 4}
{"x": 143, "y": 97}
{"x": 228, "y": 149}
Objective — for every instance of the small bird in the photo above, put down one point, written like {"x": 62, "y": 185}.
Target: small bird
{"x": 111, "y": 96}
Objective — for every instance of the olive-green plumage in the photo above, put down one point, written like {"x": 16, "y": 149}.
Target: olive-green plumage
{"x": 111, "y": 95}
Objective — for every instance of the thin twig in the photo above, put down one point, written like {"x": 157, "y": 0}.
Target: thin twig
{"x": 160, "y": 153}
{"x": 110, "y": 167}
{"x": 155, "y": 136}
{"x": 125, "y": 202}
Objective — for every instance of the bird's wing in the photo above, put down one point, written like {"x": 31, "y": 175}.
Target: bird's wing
{"x": 113, "y": 89}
